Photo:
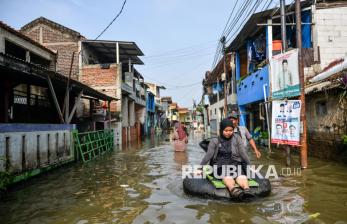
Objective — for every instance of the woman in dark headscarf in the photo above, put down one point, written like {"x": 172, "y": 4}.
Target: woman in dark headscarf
{"x": 228, "y": 149}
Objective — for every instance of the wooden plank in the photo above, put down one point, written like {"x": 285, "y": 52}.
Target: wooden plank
{"x": 50, "y": 85}
{"x": 75, "y": 107}
{"x": 66, "y": 104}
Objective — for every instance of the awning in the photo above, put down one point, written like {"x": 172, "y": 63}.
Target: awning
{"x": 106, "y": 51}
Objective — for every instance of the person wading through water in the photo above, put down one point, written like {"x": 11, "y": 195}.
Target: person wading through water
{"x": 228, "y": 149}
{"x": 180, "y": 133}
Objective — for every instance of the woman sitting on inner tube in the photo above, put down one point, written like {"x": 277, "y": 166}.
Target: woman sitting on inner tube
{"x": 228, "y": 149}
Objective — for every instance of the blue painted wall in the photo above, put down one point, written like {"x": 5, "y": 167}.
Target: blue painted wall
{"x": 250, "y": 89}
{"x": 237, "y": 66}
{"x": 150, "y": 102}
{"x": 306, "y": 29}
{"x": 16, "y": 127}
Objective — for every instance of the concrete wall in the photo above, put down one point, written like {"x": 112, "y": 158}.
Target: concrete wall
{"x": 325, "y": 131}
{"x": 331, "y": 33}
{"x": 131, "y": 113}
{"x": 30, "y": 146}
{"x": 117, "y": 128}
{"x": 125, "y": 112}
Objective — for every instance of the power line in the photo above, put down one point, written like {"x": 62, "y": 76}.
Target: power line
{"x": 181, "y": 60}
{"x": 250, "y": 13}
{"x": 219, "y": 46}
{"x": 180, "y": 50}
{"x": 237, "y": 17}
{"x": 232, "y": 11}
{"x": 120, "y": 12}
{"x": 179, "y": 86}
{"x": 179, "y": 56}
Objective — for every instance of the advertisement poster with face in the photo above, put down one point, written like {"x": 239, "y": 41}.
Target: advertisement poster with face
{"x": 285, "y": 75}
{"x": 286, "y": 122}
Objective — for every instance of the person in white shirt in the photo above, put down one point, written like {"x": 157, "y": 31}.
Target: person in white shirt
{"x": 292, "y": 135}
{"x": 285, "y": 77}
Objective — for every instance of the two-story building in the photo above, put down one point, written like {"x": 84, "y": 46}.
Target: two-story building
{"x": 38, "y": 107}
{"x": 323, "y": 40}
{"x": 159, "y": 114}
{"x": 107, "y": 66}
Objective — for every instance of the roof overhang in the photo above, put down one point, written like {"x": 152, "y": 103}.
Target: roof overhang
{"x": 16, "y": 69}
{"x": 106, "y": 51}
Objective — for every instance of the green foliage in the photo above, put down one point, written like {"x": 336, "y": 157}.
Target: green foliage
{"x": 344, "y": 139}
{"x": 5, "y": 177}
{"x": 264, "y": 135}
{"x": 200, "y": 108}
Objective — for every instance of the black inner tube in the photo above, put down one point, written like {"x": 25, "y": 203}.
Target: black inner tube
{"x": 204, "y": 187}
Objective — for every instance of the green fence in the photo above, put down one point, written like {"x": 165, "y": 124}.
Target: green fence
{"x": 93, "y": 144}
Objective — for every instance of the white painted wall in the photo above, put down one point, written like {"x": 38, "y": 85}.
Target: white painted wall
{"x": 51, "y": 145}
{"x": 331, "y": 31}
{"x": 218, "y": 115}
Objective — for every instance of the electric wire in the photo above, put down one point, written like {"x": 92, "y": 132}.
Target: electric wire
{"x": 120, "y": 12}
{"x": 218, "y": 53}
{"x": 232, "y": 11}
{"x": 180, "y": 50}
{"x": 241, "y": 25}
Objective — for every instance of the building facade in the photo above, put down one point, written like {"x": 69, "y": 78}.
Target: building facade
{"x": 323, "y": 41}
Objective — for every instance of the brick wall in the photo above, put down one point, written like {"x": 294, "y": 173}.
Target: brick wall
{"x": 94, "y": 75}
{"x": 62, "y": 42}
{"x": 34, "y": 34}
{"x": 331, "y": 25}
{"x": 103, "y": 80}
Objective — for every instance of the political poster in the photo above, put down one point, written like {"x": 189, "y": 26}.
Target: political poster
{"x": 285, "y": 75}
{"x": 286, "y": 122}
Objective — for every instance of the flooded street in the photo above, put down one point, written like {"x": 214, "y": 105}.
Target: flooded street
{"x": 143, "y": 184}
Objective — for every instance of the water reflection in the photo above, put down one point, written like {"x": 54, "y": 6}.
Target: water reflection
{"x": 142, "y": 183}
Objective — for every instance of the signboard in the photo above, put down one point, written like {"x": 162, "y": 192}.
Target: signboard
{"x": 286, "y": 122}
{"x": 285, "y": 75}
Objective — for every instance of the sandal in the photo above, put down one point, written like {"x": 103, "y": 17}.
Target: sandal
{"x": 236, "y": 192}
{"x": 247, "y": 195}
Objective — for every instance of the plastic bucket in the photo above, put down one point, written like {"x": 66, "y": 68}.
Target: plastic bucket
{"x": 277, "y": 45}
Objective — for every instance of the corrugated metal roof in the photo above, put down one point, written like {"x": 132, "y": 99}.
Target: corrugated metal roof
{"x": 107, "y": 51}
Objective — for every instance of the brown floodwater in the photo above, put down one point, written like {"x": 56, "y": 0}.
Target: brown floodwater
{"x": 143, "y": 184}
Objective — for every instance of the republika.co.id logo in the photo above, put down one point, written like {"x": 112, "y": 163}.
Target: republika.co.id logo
{"x": 251, "y": 171}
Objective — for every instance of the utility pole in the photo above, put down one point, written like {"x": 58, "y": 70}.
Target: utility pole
{"x": 283, "y": 25}
{"x": 302, "y": 86}
{"x": 284, "y": 49}
{"x": 222, "y": 40}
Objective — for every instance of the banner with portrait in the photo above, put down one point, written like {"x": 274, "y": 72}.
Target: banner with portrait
{"x": 286, "y": 122}
{"x": 285, "y": 75}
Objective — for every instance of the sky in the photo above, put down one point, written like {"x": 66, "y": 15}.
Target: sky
{"x": 178, "y": 37}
